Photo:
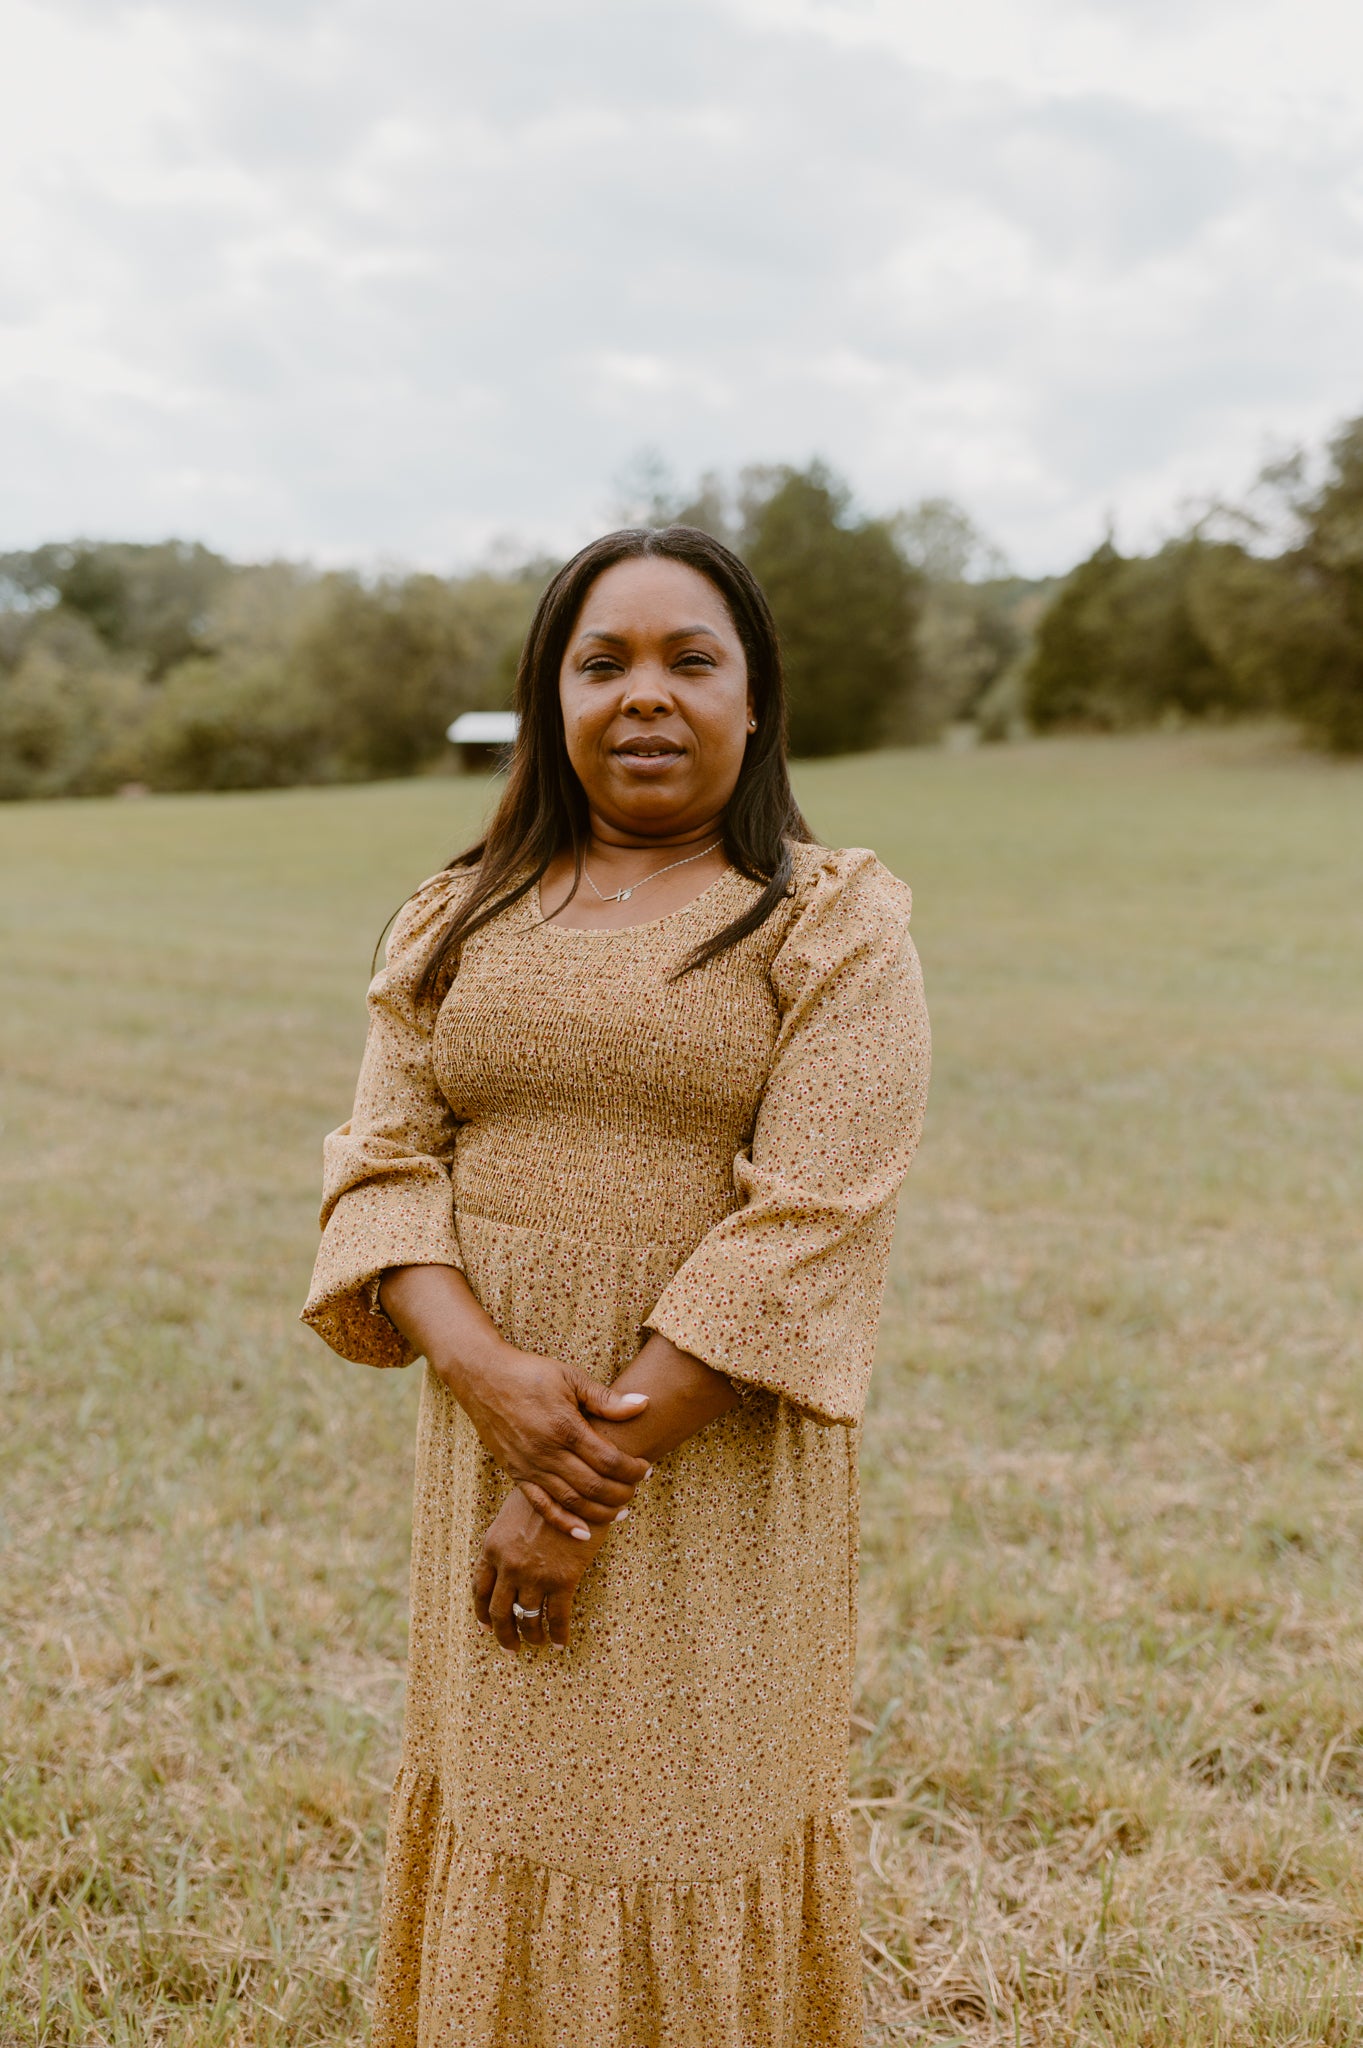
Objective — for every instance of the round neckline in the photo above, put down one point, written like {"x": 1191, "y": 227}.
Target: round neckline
{"x": 618, "y": 931}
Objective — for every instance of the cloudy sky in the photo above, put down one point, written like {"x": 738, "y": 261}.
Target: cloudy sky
{"x": 369, "y": 281}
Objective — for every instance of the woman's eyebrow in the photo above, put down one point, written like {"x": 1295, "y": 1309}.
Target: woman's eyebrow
{"x": 619, "y": 639}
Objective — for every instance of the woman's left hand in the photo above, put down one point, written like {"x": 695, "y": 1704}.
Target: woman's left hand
{"x": 526, "y": 1563}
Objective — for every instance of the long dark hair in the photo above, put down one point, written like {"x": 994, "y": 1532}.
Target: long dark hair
{"x": 544, "y": 808}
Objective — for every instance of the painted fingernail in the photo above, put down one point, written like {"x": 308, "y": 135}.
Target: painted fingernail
{"x": 623, "y": 1515}
{"x": 582, "y": 1535}
{"x": 556, "y": 1646}
{"x": 648, "y": 1474}
{"x": 507, "y": 1653}
{"x": 633, "y": 1400}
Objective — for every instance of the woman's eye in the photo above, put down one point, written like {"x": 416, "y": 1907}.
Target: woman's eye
{"x": 694, "y": 660}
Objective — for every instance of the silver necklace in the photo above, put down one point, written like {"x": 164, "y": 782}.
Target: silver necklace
{"x": 623, "y": 895}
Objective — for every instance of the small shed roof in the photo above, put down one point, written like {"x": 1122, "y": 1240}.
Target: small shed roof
{"x": 483, "y": 729}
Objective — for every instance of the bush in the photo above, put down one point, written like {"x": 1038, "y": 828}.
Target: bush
{"x": 247, "y": 725}
{"x": 68, "y": 715}
{"x": 391, "y": 664}
{"x": 1125, "y": 644}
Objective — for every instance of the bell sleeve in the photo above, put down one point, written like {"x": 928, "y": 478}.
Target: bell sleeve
{"x": 387, "y": 1198}
{"x": 785, "y": 1293}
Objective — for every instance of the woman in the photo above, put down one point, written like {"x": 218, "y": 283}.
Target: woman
{"x": 645, "y": 1071}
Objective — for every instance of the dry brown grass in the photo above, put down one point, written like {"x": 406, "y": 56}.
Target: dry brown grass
{"x": 1109, "y": 1745}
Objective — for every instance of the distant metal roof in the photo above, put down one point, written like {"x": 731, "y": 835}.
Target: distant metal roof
{"x": 483, "y": 729}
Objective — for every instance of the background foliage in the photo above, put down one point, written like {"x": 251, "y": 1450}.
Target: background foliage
{"x": 1254, "y": 610}
{"x": 168, "y": 667}
{"x": 165, "y": 666}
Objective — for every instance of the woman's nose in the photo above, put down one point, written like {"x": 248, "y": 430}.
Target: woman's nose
{"x": 647, "y": 692}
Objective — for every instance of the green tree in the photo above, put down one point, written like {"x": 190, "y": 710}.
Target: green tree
{"x": 235, "y": 722}
{"x": 846, "y": 604}
{"x": 1070, "y": 653}
{"x": 1278, "y": 607}
{"x": 1270, "y": 619}
{"x": 393, "y": 663}
{"x": 973, "y": 627}
{"x": 647, "y": 493}
{"x": 1322, "y": 677}
{"x": 942, "y": 540}
{"x": 237, "y": 677}
{"x": 970, "y": 635}
{"x": 494, "y": 608}
{"x": 70, "y": 712}
{"x": 148, "y": 602}
{"x": 1124, "y": 643}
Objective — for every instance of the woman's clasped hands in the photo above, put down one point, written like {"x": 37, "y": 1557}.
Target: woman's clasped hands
{"x": 528, "y": 1572}
{"x": 533, "y": 1418}
{"x": 572, "y": 1486}
{"x": 531, "y": 1415}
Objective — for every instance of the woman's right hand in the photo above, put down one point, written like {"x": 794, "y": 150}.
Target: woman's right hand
{"x": 531, "y": 1417}
{"x": 530, "y": 1412}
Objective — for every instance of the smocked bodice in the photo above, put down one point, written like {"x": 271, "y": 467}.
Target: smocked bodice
{"x": 594, "y": 1093}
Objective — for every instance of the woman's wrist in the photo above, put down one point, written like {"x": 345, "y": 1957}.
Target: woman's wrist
{"x": 436, "y": 1313}
{"x": 471, "y": 1364}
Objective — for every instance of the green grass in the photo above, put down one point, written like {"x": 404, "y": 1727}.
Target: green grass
{"x": 1108, "y": 1751}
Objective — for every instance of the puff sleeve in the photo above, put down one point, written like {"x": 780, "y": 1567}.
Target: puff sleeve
{"x": 785, "y": 1293}
{"x": 387, "y": 1197}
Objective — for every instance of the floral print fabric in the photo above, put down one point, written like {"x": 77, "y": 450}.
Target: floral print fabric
{"x": 643, "y": 1840}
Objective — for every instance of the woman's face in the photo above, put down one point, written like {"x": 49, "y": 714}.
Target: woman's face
{"x": 654, "y": 689}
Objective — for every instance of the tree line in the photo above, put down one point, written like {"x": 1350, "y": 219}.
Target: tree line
{"x": 169, "y": 667}
{"x": 1256, "y": 609}
{"x": 166, "y": 666}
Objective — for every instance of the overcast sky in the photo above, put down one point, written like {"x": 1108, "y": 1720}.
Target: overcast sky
{"x": 367, "y": 281}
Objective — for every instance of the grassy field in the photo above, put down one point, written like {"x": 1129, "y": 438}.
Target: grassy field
{"x": 1108, "y": 1751}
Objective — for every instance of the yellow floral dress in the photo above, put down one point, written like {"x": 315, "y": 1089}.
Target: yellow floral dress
{"x": 641, "y": 1842}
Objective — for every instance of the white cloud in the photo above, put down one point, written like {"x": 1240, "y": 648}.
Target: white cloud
{"x": 363, "y": 281}
{"x": 1245, "y": 67}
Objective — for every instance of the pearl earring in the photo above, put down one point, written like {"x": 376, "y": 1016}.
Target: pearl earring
{"x": 752, "y": 725}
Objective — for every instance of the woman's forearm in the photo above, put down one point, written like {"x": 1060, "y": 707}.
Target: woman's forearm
{"x": 683, "y": 1395}
{"x": 437, "y": 1312}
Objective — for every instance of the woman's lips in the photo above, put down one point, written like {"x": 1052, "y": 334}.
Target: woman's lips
{"x": 652, "y": 762}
